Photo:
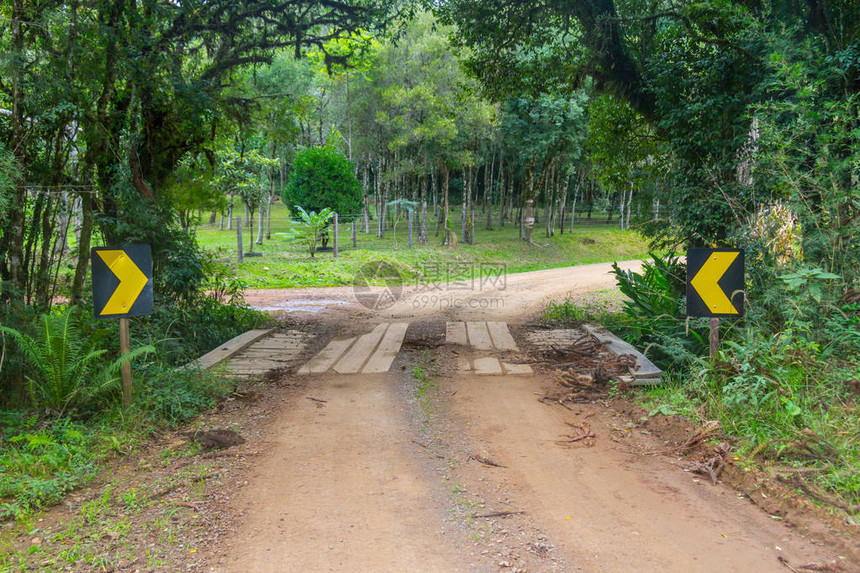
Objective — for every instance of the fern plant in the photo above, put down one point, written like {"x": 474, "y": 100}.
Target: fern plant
{"x": 65, "y": 370}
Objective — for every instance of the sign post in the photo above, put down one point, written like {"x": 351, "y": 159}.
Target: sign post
{"x": 122, "y": 287}
{"x": 715, "y": 287}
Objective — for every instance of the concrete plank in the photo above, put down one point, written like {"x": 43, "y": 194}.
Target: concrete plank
{"x": 229, "y": 349}
{"x": 381, "y": 360}
{"x": 455, "y": 333}
{"x": 501, "y": 336}
{"x": 487, "y": 366}
{"x": 644, "y": 371}
{"x": 517, "y": 369}
{"x": 354, "y": 358}
{"x": 479, "y": 336}
{"x": 326, "y": 357}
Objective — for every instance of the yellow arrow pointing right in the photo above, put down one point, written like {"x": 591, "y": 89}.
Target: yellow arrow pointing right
{"x": 131, "y": 281}
{"x": 705, "y": 282}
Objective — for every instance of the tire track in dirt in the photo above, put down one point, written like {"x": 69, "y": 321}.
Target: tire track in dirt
{"x": 343, "y": 488}
{"x": 608, "y": 510}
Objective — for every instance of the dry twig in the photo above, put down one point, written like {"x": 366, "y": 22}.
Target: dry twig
{"x": 498, "y": 514}
{"x": 584, "y": 432}
{"x": 485, "y": 461}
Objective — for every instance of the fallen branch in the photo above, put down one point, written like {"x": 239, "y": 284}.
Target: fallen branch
{"x": 485, "y": 461}
{"x": 185, "y": 504}
{"x": 317, "y": 400}
{"x": 713, "y": 468}
{"x": 821, "y": 496}
{"x": 785, "y": 562}
{"x": 832, "y": 565}
{"x": 584, "y": 432}
{"x": 706, "y": 431}
{"x": 498, "y": 514}
{"x": 550, "y": 401}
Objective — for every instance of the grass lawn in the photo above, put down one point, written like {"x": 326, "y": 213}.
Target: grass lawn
{"x": 286, "y": 265}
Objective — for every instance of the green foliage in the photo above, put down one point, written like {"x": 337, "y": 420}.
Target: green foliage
{"x": 40, "y": 462}
{"x": 654, "y": 315}
{"x": 310, "y": 228}
{"x": 192, "y": 187}
{"x": 323, "y": 178}
{"x": 177, "y": 261}
{"x": 66, "y": 371}
{"x": 9, "y": 172}
{"x": 168, "y": 396}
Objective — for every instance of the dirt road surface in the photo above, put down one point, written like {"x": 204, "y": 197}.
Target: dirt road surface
{"x": 444, "y": 470}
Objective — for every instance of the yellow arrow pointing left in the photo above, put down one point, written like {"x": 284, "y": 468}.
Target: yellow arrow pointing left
{"x": 131, "y": 281}
{"x": 705, "y": 282}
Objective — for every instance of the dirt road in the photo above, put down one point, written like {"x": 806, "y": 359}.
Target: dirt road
{"x": 444, "y": 469}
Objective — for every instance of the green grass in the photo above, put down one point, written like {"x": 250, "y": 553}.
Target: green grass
{"x": 288, "y": 265}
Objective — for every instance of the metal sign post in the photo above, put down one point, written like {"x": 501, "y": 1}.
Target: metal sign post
{"x": 122, "y": 287}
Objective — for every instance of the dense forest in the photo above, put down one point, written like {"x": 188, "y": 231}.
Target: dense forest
{"x": 732, "y": 123}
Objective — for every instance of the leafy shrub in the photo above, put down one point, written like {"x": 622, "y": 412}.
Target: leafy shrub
{"x": 67, "y": 371}
{"x": 654, "y": 315}
{"x": 168, "y": 396}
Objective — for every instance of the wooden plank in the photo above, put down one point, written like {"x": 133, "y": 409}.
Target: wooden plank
{"x": 381, "y": 360}
{"x": 352, "y": 361}
{"x": 228, "y": 349}
{"x": 479, "y": 336}
{"x": 501, "y": 336}
{"x": 326, "y": 357}
{"x": 644, "y": 371}
{"x": 455, "y": 333}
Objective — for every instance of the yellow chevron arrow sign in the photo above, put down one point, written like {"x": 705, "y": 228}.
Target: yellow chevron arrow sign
{"x": 706, "y": 270}
{"x": 124, "y": 263}
{"x": 131, "y": 281}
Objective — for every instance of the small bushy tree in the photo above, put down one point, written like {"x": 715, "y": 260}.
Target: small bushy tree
{"x": 323, "y": 178}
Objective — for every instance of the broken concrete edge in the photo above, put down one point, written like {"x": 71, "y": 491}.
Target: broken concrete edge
{"x": 228, "y": 349}
{"x": 644, "y": 373}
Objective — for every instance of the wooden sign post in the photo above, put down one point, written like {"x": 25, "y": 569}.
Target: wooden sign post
{"x": 122, "y": 287}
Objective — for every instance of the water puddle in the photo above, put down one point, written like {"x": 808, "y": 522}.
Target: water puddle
{"x": 301, "y": 305}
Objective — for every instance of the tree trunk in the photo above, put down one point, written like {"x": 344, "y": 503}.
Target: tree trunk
{"x": 445, "y": 175}
{"x": 422, "y": 229}
{"x": 261, "y": 223}
{"x": 502, "y": 195}
{"x": 629, "y": 202}
{"x": 15, "y": 280}
{"x": 83, "y": 248}
{"x": 365, "y": 202}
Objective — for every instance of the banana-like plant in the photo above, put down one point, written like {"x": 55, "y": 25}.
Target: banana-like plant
{"x": 65, "y": 370}
{"x": 310, "y": 227}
